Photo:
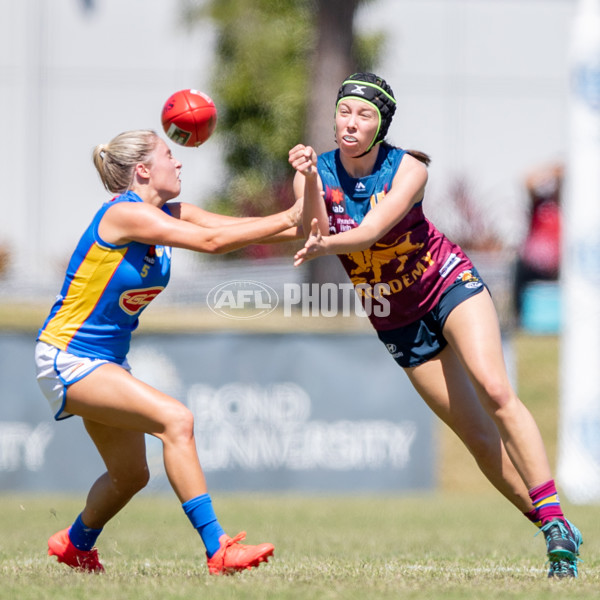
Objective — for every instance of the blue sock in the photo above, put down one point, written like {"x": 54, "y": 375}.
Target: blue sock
{"x": 82, "y": 537}
{"x": 200, "y": 512}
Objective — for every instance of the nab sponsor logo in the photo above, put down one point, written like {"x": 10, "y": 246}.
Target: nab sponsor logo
{"x": 132, "y": 301}
{"x": 242, "y": 299}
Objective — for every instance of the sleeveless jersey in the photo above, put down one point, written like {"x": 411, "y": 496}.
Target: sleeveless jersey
{"x": 414, "y": 261}
{"x": 105, "y": 289}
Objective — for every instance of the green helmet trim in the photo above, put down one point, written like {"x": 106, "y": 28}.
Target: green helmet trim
{"x": 359, "y": 87}
{"x": 378, "y": 115}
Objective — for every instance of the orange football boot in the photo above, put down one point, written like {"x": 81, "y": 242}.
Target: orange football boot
{"x": 233, "y": 556}
{"x": 60, "y": 545}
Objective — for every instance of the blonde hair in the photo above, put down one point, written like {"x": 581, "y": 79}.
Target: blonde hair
{"x": 115, "y": 161}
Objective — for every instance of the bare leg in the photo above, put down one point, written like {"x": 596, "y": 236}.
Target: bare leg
{"x": 117, "y": 410}
{"x": 473, "y": 332}
{"x": 112, "y": 397}
{"x": 124, "y": 454}
{"x": 445, "y": 387}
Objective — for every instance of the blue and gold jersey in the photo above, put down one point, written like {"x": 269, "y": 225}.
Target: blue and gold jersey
{"x": 105, "y": 290}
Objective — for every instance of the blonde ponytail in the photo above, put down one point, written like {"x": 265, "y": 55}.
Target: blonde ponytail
{"x": 116, "y": 161}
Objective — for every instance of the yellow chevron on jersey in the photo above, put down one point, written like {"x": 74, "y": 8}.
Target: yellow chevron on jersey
{"x": 93, "y": 275}
{"x": 106, "y": 288}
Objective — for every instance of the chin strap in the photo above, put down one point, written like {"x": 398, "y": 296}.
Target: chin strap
{"x": 366, "y": 151}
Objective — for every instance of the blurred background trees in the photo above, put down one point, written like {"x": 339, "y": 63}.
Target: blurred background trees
{"x": 278, "y": 66}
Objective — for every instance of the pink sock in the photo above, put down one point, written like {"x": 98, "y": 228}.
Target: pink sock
{"x": 546, "y": 503}
{"x": 532, "y": 515}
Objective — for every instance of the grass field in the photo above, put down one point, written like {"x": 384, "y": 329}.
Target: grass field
{"x": 452, "y": 546}
{"x": 461, "y": 542}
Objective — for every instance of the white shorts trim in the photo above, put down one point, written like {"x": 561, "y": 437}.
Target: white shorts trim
{"x": 57, "y": 370}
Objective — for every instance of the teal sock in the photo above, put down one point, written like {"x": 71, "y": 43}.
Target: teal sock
{"x": 83, "y": 537}
{"x": 201, "y": 514}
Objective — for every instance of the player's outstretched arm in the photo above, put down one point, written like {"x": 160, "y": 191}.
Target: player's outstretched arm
{"x": 199, "y": 216}
{"x": 142, "y": 222}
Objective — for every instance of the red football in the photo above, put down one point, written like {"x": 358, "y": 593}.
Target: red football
{"x": 189, "y": 117}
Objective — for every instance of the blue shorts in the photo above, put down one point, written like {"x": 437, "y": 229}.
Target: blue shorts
{"x": 421, "y": 340}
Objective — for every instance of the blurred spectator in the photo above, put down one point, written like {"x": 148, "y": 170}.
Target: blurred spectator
{"x": 539, "y": 255}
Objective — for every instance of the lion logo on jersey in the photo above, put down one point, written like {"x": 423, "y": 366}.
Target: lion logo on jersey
{"x": 369, "y": 263}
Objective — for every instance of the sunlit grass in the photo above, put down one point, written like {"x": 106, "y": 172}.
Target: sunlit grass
{"x": 425, "y": 546}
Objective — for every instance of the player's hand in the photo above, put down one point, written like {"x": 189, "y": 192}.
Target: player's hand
{"x": 316, "y": 245}
{"x": 303, "y": 159}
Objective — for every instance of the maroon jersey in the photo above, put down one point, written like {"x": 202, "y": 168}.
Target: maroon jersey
{"x": 410, "y": 266}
